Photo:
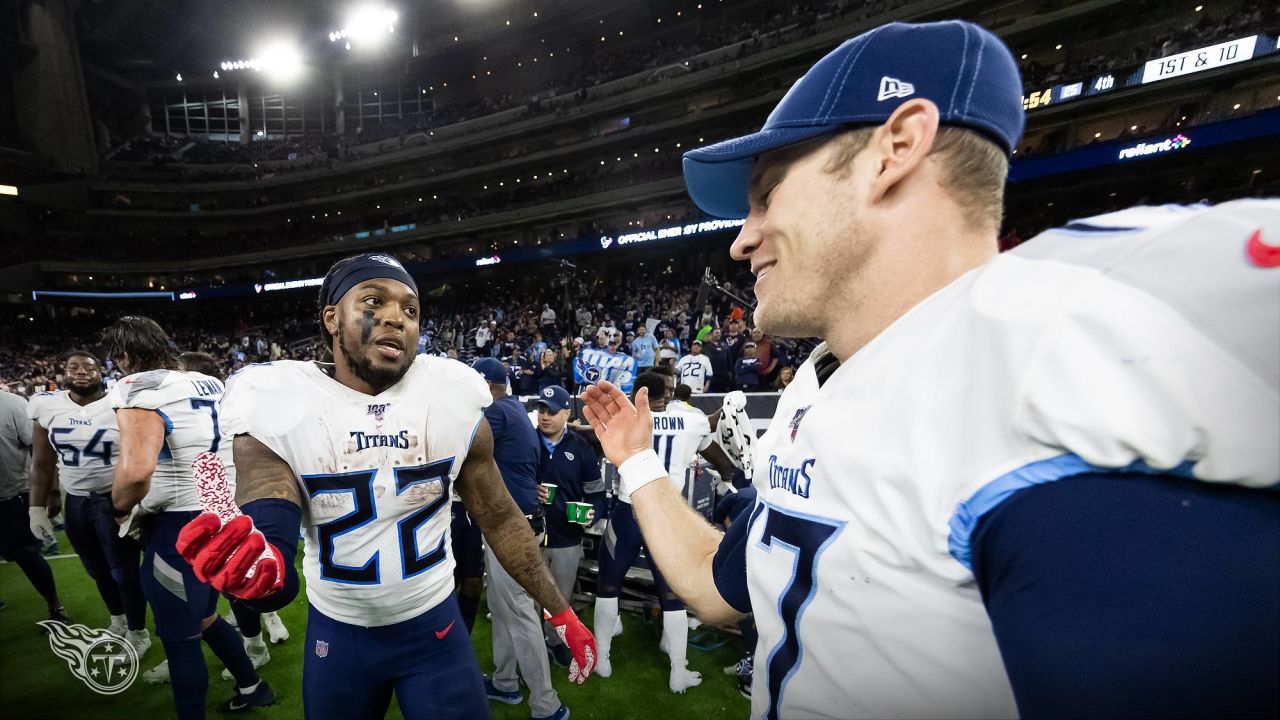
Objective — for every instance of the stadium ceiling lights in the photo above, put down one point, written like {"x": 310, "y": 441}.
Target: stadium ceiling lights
{"x": 279, "y": 59}
{"x": 366, "y": 25}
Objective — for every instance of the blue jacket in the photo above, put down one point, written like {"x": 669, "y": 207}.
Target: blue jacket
{"x": 574, "y": 468}
{"x": 516, "y": 449}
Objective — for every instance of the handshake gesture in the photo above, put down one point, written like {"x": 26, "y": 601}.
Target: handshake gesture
{"x": 222, "y": 545}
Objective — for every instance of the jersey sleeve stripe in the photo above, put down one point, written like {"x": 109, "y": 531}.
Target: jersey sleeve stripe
{"x": 988, "y": 497}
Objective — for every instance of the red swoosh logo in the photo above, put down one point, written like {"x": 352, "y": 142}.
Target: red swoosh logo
{"x": 1260, "y": 253}
{"x": 441, "y": 633}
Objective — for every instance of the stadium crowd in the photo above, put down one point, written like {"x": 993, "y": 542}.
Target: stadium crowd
{"x": 536, "y": 329}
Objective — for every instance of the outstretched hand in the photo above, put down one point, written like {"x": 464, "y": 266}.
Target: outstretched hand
{"x": 622, "y": 428}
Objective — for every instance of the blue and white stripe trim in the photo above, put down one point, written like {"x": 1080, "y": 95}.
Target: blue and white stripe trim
{"x": 988, "y": 497}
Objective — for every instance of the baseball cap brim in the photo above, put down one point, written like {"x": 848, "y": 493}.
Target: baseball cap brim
{"x": 719, "y": 176}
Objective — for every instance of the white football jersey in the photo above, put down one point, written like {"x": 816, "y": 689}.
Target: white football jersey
{"x": 375, "y": 472}
{"x": 188, "y": 404}
{"x": 1146, "y": 340}
{"x": 678, "y": 436}
{"x": 694, "y": 371}
{"x": 85, "y": 438}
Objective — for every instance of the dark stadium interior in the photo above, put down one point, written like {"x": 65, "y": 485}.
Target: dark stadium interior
{"x": 530, "y": 129}
{"x": 518, "y": 157}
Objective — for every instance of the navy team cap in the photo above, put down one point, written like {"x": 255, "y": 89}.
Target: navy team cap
{"x": 491, "y": 370}
{"x": 554, "y": 398}
{"x": 965, "y": 70}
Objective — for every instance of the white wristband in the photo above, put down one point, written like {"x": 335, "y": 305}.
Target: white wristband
{"x": 639, "y": 470}
{"x": 38, "y": 512}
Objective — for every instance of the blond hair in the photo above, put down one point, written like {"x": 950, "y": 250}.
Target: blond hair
{"x": 974, "y": 169}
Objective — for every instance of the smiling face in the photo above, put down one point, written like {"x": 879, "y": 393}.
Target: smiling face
{"x": 84, "y": 376}
{"x": 805, "y": 237}
{"x": 375, "y": 331}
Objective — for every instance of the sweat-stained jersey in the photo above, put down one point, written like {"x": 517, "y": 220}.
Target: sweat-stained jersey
{"x": 375, "y": 473}
{"x": 85, "y": 438}
{"x": 188, "y": 404}
{"x": 1146, "y": 340}
{"x": 678, "y": 437}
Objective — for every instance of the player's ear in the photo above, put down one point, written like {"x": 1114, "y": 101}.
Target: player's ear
{"x": 901, "y": 145}
{"x": 329, "y": 316}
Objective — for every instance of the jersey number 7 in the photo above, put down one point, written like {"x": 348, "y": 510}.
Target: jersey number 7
{"x": 360, "y": 486}
{"x": 806, "y": 537}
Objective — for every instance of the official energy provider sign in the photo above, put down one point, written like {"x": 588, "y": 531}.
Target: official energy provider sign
{"x": 1194, "y": 61}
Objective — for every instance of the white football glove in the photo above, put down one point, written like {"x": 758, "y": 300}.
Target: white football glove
{"x": 41, "y": 526}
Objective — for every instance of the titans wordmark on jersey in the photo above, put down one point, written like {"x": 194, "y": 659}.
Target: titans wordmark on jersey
{"x": 188, "y": 404}
{"x": 85, "y": 438}
{"x": 1145, "y": 340}
{"x": 376, "y": 473}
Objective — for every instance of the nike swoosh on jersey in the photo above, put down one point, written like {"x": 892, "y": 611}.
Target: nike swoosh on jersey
{"x": 441, "y": 633}
{"x": 1260, "y": 253}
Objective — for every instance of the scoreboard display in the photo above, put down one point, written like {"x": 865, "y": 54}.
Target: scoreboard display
{"x": 1171, "y": 66}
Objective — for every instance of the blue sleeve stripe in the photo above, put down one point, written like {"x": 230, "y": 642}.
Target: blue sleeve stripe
{"x": 989, "y": 496}
{"x": 168, "y": 424}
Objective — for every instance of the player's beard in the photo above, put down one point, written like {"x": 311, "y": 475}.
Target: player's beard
{"x": 84, "y": 393}
{"x": 363, "y": 368}
{"x": 814, "y": 288}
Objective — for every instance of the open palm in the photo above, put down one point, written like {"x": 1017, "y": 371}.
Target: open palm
{"x": 623, "y": 429}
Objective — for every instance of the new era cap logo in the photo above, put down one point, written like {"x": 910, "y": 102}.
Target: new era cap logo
{"x": 894, "y": 88}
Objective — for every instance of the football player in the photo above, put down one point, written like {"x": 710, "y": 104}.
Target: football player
{"x": 368, "y": 448}
{"x": 1036, "y": 483}
{"x": 678, "y": 438}
{"x": 76, "y": 445}
{"x": 167, "y": 418}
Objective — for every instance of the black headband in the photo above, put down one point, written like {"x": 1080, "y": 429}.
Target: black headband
{"x": 367, "y": 267}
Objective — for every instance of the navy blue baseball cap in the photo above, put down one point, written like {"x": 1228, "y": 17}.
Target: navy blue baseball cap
{"x": 554, "y": 397}
{"x": 965, "y": 70}
{"x": 491, "y": 369}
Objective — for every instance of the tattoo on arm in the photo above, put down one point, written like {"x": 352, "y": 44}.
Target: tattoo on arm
{"x": 260, "y": 473}
{"x": 504, "y": 527}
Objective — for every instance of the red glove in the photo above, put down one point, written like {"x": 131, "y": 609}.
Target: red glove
{"x": 580, "y": 641}
{"x": 234, "y": 558}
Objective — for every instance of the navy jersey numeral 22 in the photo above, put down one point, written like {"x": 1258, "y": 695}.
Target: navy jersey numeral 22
{"x": 360, "y": 485}
{"x": 806, "y": 537}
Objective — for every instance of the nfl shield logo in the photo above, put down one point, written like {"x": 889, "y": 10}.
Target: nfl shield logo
{"x": 795, "y": 422}
{"x": 322, "y": 648}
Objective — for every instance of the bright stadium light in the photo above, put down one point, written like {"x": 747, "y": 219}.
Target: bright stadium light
{"x": 280, "y": 59}
{"x": 367, "y": 25}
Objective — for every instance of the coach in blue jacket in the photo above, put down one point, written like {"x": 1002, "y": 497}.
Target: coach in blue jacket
{"x": 571, "y": 464}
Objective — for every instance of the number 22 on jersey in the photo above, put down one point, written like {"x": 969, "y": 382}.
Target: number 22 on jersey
{"x": 359, "y": 485}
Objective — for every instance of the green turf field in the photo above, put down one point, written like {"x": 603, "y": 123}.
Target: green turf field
{"x": 35, "y": 683}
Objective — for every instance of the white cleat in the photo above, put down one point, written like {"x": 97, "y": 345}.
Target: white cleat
{"x": 274, "y": 627}
{"x": 603, "y": 667}
{"x": 682, "y": 679}
{"x": 258, "y": 655}
{"x": 158, "y": 675}
{"x": 140, "y": 640}
{"x": 117, "y": 628}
